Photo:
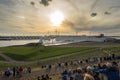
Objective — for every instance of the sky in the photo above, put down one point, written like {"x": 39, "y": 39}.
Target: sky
{"x": 21, "y": 17}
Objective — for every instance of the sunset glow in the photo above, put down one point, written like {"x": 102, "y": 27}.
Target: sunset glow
{"x": 56, "y": 18}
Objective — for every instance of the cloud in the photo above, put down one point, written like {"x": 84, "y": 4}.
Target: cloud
{"x": 20, "y": 15}
{"x": 83, "y": 23}
{"x": 45, "y": 2}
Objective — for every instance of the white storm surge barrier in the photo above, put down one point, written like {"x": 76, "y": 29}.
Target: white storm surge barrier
{"x": 58, "y": 40}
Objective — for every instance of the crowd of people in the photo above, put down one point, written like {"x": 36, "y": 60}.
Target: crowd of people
{"x": 96, "y": 68}
{"x": 44, "y": 77}
{"x": 105, "y": 68}
{"x": 76, "y": 63}
{"x": 106, "y": 71}
{"x": 17, "y": 71}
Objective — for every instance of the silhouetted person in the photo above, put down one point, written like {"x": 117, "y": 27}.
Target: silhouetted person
{"x": 14, "y": 71}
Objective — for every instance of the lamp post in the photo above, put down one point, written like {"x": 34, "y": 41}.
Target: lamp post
{"x": 56, "y": 31}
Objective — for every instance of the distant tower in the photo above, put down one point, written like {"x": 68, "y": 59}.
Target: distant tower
{"x": 101, "y": 35}
{"x": 41, "y": 40}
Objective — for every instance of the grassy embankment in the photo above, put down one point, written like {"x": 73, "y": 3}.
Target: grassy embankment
{"x": 2, "y": 59}
{"x": 99, "y": 52}
{"x": 23, "y": 53}
{"x": 34, "y": 53}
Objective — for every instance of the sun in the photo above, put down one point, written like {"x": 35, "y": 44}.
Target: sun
{"x": 56, "y": 18}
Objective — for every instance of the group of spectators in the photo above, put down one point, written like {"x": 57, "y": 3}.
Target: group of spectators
{"x": 17, "y": 71}
{"x": 76, "y": 70}
{"x": 105, "y": 71}
{"x": 44, "y": 77}
{"x": 75, "y": 63}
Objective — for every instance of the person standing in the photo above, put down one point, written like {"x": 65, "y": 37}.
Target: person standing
{"x": 14, "y": 71}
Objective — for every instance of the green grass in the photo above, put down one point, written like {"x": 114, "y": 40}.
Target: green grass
{"x": 2, "y": 59}
{"x": 115, "y": 50}
{"x": 81, "y": 56}
{"x": 85, "y": 55}
{"x": 6, "y": 65}
{"x": 24, "y": 53}
{"x": 33, "y": 53}
{"x": 112, "y": 48}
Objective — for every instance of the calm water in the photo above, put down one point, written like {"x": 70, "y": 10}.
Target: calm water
{"x": 16, "y": 42}
{"x": 116, "y": 37}
{"x": 21, "y": 42}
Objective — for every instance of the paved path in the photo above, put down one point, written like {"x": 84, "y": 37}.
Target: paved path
{"x": 12, "y": 61}
{"x": 39, "y": 72}
{"x": 6, "y": 57}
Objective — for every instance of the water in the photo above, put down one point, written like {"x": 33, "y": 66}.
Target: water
{"x": 22, "y": 42}
{"x": 16, "y": 42}
{"x": 116, "y": 37}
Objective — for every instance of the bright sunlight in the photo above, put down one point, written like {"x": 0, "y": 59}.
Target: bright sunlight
{"x": 56, "y": 18}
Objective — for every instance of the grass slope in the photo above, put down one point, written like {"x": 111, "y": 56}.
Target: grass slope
{"x": 2, "y": 59}
{"x": 88, "y": 54}
{"x": 26, "y": 53}
{"x": 33, "y": 53}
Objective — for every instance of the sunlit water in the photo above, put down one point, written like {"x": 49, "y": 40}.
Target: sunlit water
{"x": 22, "y": 42}
{"x": 116, "y": 37}
{"x": 16, "y": 42}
